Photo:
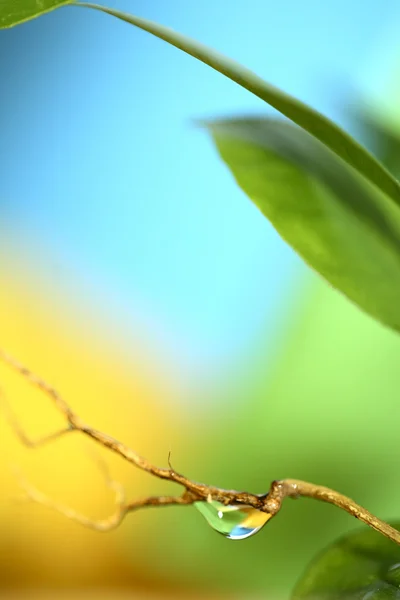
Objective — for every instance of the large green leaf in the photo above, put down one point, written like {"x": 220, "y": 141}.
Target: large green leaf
{"x": 311, "y": 120}
{"x": 385, "y": 137}
{"x": 361, "y": 566}
{"x": 13, "y": 12}
{"x": 341, "y": 226}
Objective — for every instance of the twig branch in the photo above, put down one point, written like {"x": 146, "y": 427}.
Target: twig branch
{"x": 269, "y": 503}
{"x": 21, "y": 434}
{"x": 115, "y": 519}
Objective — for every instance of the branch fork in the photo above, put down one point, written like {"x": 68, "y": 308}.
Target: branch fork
{"x": 193, "y": 491}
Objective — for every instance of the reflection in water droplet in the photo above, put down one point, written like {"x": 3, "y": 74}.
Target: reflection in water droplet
{"x": 236, "y": 521}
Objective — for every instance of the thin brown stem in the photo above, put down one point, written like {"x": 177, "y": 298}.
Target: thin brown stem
{"x": 19, "y": 431}
{"x": 269, "y": 503}
{"x": 122, "y": 508}
{"x": 75, "y": 423}
{"x": 294, "y": 488}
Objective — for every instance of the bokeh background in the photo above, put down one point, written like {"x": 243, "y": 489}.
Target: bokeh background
{"x": 140, "y": 281}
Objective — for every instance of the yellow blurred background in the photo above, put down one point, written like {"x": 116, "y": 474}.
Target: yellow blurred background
{"x": 120, "y": 396}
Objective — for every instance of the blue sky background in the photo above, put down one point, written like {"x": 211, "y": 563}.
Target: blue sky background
{"x": 109, "y": 189}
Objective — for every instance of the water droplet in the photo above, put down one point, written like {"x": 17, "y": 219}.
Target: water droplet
{"x": 235, "y": 521}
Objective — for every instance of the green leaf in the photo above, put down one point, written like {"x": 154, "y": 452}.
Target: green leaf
{"x": 361, "y": 566}
{"x": 14, "y": 12}
{"x": 309, "y": 119}
{"x": 341, "y": 226}
{"x": 385, "y": 138}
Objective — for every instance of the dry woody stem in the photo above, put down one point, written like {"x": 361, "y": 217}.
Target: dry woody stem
{"x": 193, "y": 491}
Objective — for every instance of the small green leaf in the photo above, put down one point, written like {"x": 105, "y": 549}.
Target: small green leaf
{"x": 341, "y": 226}
{"x": 361, "y": 566}
{"x": 14, "y": 12}
{"x": 306, "y": 117}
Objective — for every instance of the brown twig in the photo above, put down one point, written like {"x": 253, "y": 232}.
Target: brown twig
{"x": 269, "y": 503}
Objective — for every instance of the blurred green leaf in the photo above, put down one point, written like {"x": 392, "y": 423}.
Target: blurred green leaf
{"x": 341, "y": 226}
{"x": 361, "y": 566}
{"x": 14, "y": 12}
{"x": 306, "y": 117}
{"x": 385, "y": 138}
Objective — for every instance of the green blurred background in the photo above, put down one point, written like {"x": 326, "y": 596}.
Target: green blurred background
{"x": 247, "y": 369}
